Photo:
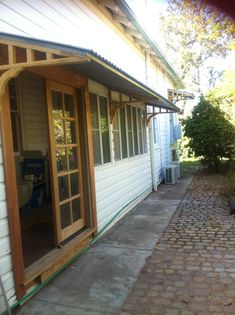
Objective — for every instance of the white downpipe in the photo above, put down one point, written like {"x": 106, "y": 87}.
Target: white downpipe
{"x": 152, "y": 157}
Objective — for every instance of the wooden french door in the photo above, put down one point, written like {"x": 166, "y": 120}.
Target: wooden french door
{"x": 65, "y": 160}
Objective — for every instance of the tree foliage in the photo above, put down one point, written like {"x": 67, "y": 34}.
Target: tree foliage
{"x": 224, "y": 95}
{"x": 210, "y": 133}
{"x": 195, "y": 32}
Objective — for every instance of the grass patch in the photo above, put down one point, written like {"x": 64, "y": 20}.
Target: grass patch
{"x": 191, "y": 163}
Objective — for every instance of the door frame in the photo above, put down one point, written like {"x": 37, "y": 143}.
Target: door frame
{"x": 63, "y": 234}
{"x": 77, "y": 81}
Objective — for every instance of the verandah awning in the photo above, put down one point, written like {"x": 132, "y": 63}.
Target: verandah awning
{"x": 18, "y": 51}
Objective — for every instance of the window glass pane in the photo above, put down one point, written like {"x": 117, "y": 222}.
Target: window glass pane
{"x": 13, "y": 104}
{"x": 135, "y": 131}
{"x": 72, "y": 154}
{"x": 76, "y": 209}
{"x": 116, "y": 137}
{"x": 116, "y": 121}
{"x": 141, "y": 142}
{"x": 12, "y": 88}
{"x": 74, "y": 184}
{"x": 69, "y": 105}
{"x": 63, "y": 187}
{"x": 61, "y": 160}
{"x": 128, "y": 109}
{"x": 104, "y": 125}
{"x": 116, "y": 140}
{"x": 140, "y": 130}
{"x": 57, "y": 104}
{"x": 96, "y": 147}
{"x": 123, "y": 132}
{"x": 65, "y": 215}
{"x": 130, "y": 131}
{"x": 106, "y": 148}
{"x": 130, "y": 140}
{"x": 14, "y": 131}
{"x": 155, "y": 131}
{"x": 70, "y": 132}
{"x": 94, "y": 111}
{"x": 143, "y": 118}
{"x": 59, "y": 131}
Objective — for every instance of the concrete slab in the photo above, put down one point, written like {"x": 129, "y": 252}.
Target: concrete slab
{"x": 99, "y": 281}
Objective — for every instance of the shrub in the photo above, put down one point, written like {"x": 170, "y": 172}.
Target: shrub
{"x": 210, "y": 133}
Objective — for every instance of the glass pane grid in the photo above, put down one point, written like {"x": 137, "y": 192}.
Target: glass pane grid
{"x": 66, "y": 146}
{"x": 69, "y": 199}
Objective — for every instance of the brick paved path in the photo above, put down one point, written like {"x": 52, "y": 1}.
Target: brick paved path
{"x": 192, "y": 269}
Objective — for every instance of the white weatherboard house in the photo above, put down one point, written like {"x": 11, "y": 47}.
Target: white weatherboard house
{"x": 87, "y": 128}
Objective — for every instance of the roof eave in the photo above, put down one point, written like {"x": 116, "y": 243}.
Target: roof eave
{"x": 130, "y": 14}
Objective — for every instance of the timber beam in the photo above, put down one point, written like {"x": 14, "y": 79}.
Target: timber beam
{"x": 5, "y": 78}
{"x": 18, "y": 55}
{"x": 160, "y": 111}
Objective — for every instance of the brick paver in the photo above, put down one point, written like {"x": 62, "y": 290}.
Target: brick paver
{"x": 192, "y": 269}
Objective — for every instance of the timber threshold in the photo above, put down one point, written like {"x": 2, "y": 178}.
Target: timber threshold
{"x": 24, "y": 52}
{"x": 56, "y": 259}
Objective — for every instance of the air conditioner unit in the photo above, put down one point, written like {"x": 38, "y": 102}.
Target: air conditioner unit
{"x": 171, "y": 174}
{"x": 177, "y": 163}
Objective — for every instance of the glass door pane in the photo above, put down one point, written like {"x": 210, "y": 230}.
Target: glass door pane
{"x": 65, "y": 151}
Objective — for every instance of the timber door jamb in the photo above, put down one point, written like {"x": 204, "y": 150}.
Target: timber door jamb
{"x": 10, "y": 181}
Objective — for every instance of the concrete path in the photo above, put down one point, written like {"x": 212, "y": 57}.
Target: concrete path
{"x": 101, "y": 279}
{"x": 192, "y": 268}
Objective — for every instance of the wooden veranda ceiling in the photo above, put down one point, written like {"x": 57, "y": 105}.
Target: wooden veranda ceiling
{"x": 22, "y": 55}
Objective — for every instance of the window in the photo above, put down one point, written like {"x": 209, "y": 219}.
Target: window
{"x": 100, "y": 129}
{"x": 129, "y": 132}
{"x": 155, "y": 131}
{"x": 15, "y": 116}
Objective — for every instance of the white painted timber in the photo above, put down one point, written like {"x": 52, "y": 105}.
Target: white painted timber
{"x": 120, "y": 185}
{"x": 5, "y": 255}
{"x": 33, "y": 113}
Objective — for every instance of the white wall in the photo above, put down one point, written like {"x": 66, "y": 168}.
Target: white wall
{"x": 6, "y": 272}
{"x": 120, "y": 183}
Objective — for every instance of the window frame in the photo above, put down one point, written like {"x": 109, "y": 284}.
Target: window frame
{"x": 156, "y": 132}
{"x": 98, "y": 95}
{"x": 140, "y": 132}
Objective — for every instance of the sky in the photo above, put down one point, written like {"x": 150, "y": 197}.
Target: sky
{"x": 148, "y": 13}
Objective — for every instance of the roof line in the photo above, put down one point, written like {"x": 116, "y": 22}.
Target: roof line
{"x": 94, "y": 56}
{"x": 131, "y": 15}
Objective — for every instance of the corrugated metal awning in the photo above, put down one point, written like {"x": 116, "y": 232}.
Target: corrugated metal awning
{"x": 95, "y": 67}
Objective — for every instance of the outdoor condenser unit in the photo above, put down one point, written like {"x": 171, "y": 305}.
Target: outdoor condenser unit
{"x": 171, "y": 174}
